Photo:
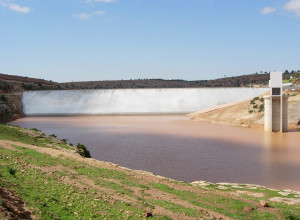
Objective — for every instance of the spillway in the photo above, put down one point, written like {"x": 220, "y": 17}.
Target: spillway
{"x": 131, "y": 101}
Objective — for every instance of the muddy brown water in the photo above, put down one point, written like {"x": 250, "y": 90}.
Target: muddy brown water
{"x": 181, "y": 149}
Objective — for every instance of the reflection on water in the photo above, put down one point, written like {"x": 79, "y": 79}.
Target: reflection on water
{"x": 281, "y": 158}
{"x": 181, "y": 149}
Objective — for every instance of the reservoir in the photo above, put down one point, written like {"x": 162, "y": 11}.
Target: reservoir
{"x": 181, "y": 149}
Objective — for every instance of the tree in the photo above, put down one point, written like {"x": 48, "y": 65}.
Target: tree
{"x": 286, "y": 72}
{"x": 296, "y": 74}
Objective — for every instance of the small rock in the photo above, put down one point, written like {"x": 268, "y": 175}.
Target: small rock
{"x": 284, "y": 193}
{"x": 247, "y": 209}
{"x": 264, "y": 203}
{"x": 148, "y": 214}
{"x": 223, "y": 187}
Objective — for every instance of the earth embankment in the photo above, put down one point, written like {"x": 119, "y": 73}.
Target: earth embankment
{"x": 249, "y": 113}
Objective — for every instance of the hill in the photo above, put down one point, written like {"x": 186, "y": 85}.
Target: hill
{"x": 237, "y": 81}
{"x": 42, "y": 177}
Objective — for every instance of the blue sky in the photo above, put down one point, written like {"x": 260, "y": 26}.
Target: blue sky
{"x": 78, "y": 40}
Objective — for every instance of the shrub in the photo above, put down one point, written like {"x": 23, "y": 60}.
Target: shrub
{"x": 261, "y": 107}
{"x": 250, "y": 111}
{"x": 262, "y": 99}
{"x": 256, "y": 98}
{"x": 11, "y": 171}
{"x": 254, "y": 106}
{"x": 3, "y": 98}
{"x": 64, "y": 141}
{"x": 53, "y": 135}
{"x": 81, "y": 149}
{"x": 27, "y": 86}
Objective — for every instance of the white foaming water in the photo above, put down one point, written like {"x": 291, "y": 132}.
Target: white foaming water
{"x": 131, "y": 101}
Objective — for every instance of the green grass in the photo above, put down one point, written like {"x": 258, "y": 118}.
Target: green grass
{"x": 41, "y": 160}
{"x": 52, "y": 195}
{"x": 127, "y": 182}
{"x": 177, "y": 208}
{"x": 94, "y": 172}
{"x": 15, "y": 134}
{"x": 229, "y": 207}
{"x": 53, "y": 199}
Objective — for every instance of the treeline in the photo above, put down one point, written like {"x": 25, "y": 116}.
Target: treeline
{"x": 250, "y": 80}
{"x": 10, "y": 83}
{"x": 237, "y": 81}
{"x": 293, "y": 74}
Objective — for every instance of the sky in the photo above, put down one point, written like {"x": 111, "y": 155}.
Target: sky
{"x": 82, "y": 40}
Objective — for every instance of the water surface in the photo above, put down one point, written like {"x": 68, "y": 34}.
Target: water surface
{"x": 175, "y": 147}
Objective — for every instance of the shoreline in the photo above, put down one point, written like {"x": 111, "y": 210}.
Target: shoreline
{"x": 68, "y": 185}
{"x": 174, "y": 129}
{"x": 203, "y": 183}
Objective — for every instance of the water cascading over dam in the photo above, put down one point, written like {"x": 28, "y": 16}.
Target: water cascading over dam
{"x": 131, "y": 101}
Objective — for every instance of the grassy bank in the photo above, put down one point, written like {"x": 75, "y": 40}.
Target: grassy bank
{"x": 43, "y": 177}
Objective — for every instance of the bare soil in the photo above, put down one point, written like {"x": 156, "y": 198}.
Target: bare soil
{"x": 237, "y": 114}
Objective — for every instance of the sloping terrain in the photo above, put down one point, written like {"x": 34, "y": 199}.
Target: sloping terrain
{"x": 246, "y": 113}
{"x": 46, "y": 179}
{"x": 11, "y": 89}
{"x": 236, "y": 114}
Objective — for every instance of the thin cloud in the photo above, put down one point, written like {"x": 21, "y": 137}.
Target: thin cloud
{"x": 294, "y": 6}
{"x": 18, "y": 8}
{"x": 15, "y": 7}
{"x": 268, "y": 10}
{"x": 85, "y": 16}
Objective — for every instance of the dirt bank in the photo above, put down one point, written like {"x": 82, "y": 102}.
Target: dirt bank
{"x": 247, "y": 113}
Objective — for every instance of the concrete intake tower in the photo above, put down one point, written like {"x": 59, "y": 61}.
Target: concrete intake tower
{"x": 276, "y": 105}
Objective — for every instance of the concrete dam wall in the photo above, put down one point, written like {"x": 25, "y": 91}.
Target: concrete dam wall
{"x": 131, "y": 101}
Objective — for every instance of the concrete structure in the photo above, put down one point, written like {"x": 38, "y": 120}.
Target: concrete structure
{"x": 131, "y": 101}
{"x": 272, "y": 113}
{"x": 276, "y": 105}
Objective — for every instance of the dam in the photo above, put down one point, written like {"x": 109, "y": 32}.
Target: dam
{"x": 131, "y": 101}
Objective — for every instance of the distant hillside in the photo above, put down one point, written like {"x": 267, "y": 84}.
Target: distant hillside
{"x": 250, "y": 80}
{"x": 20, "y": 83}
{"x": 238, "y": 81}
